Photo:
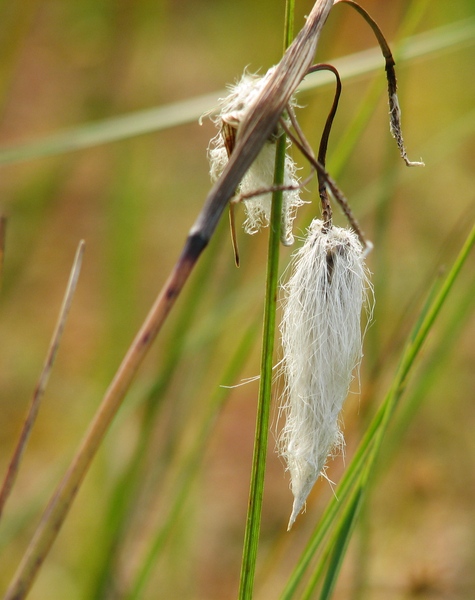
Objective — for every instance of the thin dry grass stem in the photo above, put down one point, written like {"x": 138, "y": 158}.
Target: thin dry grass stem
{"x": 394, "y": 108}
{"x": 232, "y": 228}
{"x": 271, "y": 189}
{"x": 15, "y": 461}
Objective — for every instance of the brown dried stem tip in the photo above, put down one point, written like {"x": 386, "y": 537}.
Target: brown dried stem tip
{"x": 394, "y": 108}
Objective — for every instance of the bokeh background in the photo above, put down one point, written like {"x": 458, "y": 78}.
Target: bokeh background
{"x": 68, "y": 64}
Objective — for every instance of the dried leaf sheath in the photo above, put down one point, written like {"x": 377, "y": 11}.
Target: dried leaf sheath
{"x": 321, "y": 340}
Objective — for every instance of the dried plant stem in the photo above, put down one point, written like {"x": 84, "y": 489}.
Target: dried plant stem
{"x": 326, "y": 180}
{"x": 14, "y": 465}
{"x": 394, "y": 108}
{"x": 322, "y": 150}
{"x": 64, "y": 495}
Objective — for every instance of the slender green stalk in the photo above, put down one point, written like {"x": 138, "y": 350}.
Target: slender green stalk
{"x": 289, "y": 23}
{"x": 251, "y": 537}
{"x": 432, "y": 368}
{"x": 253, "y": 521}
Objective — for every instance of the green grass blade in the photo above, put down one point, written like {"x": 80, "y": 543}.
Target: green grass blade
{"x": 343, "y": 537}
{"x": 347, "y": 483}
{"x": 111, "y": 130}
{"x": 190, "y": 466}
{"x": 363, "y": 462}
{"x": 420, "y": 334}
{"x": 432, "y": 369}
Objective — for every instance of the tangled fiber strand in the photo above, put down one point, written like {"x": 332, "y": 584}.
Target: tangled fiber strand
{"x": 260, "y": 176}
{"x": 322, "y": 345}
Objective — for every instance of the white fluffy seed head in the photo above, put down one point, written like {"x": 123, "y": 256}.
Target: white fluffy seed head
{"x": 322, "y": 345}
{"x": 260, "y": 175}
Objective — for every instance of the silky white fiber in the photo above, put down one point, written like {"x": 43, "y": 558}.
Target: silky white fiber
{"x": 256, "y": 185}
{"x": 322, "y": 345}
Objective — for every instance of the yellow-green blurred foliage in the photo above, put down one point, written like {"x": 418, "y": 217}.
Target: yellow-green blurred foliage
{"x": 65, "y": 64}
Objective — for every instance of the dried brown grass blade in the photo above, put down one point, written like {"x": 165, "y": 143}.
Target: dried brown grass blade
{"x": 15, "y": 461}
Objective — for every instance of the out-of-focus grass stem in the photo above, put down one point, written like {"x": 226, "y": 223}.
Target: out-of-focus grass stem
{"x": 15, "y": 461}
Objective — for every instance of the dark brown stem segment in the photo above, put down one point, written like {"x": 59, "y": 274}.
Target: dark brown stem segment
{"x": 306, "y": 150}
{"x": 394, "y": 108}
{"x": 322, "y": 150}
{"x": 253, "y": 132}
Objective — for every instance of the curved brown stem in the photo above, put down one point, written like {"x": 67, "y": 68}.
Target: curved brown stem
{"x": 394, "y": 108}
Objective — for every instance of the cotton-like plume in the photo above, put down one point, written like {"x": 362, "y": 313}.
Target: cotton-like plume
{"x": 260, "y": 176}
{"x": 322, "y": 345}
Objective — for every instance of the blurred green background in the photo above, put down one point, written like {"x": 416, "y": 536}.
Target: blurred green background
{"x": 66, "y": 64}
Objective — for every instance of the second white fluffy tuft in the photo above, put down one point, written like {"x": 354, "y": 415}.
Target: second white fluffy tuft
{"x": 258, "y": 180}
